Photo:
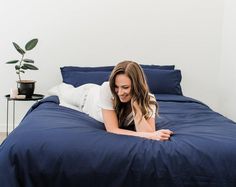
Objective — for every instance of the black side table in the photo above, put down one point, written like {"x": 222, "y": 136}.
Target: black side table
{"x": 35, "y": 97}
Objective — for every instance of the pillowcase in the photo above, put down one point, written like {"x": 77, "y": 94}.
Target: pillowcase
{"x": 110, "y": 68}
{"x": 78, "y": 78}
{"x": 161, "y": 79}
{"x": 86, "y": 69}
{"x": 164, "y": 67}
{"x": 164, "y": 81}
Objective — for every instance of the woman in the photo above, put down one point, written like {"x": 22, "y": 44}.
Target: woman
{"x": 123, "y": 104}
{"x": 126, "y": 104}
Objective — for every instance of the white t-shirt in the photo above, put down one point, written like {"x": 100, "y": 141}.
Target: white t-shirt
{"x": 89, "y": 98}
{"x": 97, "y": 98}
{"x": 105, "y": 97}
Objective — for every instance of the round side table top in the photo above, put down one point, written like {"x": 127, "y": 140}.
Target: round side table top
{"x": 34, "y": 97}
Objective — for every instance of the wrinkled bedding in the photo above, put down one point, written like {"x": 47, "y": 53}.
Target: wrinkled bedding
{"x": 59, "y": 146}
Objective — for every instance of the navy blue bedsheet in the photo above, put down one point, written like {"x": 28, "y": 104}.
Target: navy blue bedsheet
{"x": 58, "y": 146}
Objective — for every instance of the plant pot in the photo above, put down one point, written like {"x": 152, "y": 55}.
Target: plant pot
{"x": 26, "y": 87}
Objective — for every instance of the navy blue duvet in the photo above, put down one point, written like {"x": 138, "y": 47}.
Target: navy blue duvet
{"x": 58, "y": 146}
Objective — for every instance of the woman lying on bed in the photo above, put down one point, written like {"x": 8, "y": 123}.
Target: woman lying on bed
{"x": 123, "y": 104}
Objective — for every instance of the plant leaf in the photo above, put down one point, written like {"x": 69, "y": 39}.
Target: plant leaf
{"x": 24, "y": 67}
{"x": 30, "y": 66}
{"x": 31, "y": 44}
{"x": 22, "y": 71}
{"x": 21, "y": 51}
{"x": 12, "y": 62}
{"x": 17, "y": 67}
{"x": 28, "y": 60}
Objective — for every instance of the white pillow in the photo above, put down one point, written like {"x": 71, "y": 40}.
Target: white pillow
{"x": 63, "y": 91}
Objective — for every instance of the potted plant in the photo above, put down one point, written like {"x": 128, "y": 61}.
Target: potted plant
{"x": 25, "y": 87}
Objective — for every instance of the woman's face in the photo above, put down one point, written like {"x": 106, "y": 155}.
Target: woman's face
{"x": 123, "y": 87}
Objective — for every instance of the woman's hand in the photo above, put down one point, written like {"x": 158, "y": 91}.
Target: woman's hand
{"x": 162, "y": 135}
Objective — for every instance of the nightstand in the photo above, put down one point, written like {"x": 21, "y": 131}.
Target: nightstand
{"x": 35, "y": 97}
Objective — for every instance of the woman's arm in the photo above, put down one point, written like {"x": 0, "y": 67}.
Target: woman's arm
{"x": 111, "y": 125}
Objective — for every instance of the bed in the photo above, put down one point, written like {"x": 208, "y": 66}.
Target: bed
{"x": 58, "y": 146}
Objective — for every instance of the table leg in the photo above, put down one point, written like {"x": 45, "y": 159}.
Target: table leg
{"x": 13, "y": 115}
{"x": 7, "y": 117}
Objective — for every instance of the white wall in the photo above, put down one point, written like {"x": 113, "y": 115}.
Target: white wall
{"x": 227, "y": 78}
{"x": 186, "y": 33}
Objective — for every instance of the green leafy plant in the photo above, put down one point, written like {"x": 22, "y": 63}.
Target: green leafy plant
{"x": 23, "y": 63}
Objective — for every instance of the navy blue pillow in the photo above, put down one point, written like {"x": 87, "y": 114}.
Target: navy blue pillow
{"x": 165, "y": 67}
{"x": 164, "y": 81}
{"x": 86, "y": 69}
{"x": 78, "y": 78}
{"x": 110, "y": 68}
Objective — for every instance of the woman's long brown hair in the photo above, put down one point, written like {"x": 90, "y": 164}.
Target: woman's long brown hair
{"x": 139, "y": 89}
